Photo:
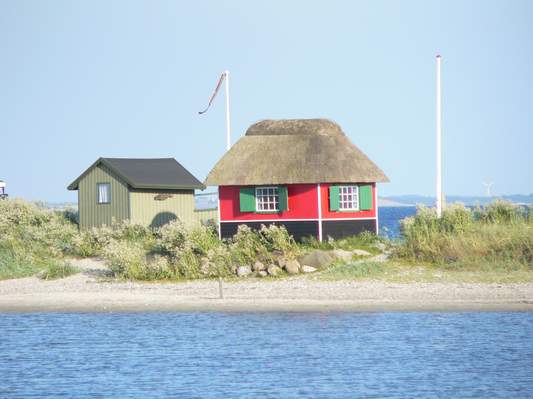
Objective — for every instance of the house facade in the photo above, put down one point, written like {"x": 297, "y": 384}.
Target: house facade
{"x": 303, "y": 174}
{"x": 150, "y": 192}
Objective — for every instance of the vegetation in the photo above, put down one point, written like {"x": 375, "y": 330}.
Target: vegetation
{"x": 496, "y": 240}
{"x": 366, "y": 241}
{"x": 498, "y": 236}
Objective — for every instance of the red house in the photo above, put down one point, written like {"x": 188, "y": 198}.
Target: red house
{"x": 304, "y": 174}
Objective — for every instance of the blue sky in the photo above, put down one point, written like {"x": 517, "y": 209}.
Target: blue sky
{"x": 84, "y": 79}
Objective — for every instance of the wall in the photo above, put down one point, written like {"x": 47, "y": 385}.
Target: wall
{"x": 303, "y": 204}
{"x": 93, "y": 214}
{"x": 147, "y": 210}
{"x": 327, "y": 214}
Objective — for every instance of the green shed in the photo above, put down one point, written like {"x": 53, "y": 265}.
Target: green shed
{"x": 150, "y": 192}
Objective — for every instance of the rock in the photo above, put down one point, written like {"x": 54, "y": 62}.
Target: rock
{"x": 292, "y": 267}
{"x": 258, "y": 266}
{"x": 243, "y": 271}
{"x": 262, "y": 273}
{"x": 41, "y": 275}
{"x": 273, "y": 270}
{"x": 317, "y": 259}
{"x": 308, "y": 269}
{"x": 343, "y": 255}
{"x": 379, "y": 245}
{"x": 282, "y": 262}
{"x": 361, "y": 252}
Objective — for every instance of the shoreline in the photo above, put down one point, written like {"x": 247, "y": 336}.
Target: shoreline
{"x": 73, "y": 304}
{"x": 86, "y": 292}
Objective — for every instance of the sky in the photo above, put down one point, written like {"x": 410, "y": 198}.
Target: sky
{"x": 85, "y": 79}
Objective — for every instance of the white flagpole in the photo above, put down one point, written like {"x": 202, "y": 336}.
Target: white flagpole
{"x": 438, "y": 146}
{"x": 228, "y": 120}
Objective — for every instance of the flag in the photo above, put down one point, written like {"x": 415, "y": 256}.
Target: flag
{"x": 214, "y": 93}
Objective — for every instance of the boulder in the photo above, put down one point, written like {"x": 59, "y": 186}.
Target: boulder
{"x": 308, "y": 269}
{"x": 343, "y": 255}
{"x": 243, "y": 271}
{"x": 262, "y": 273}
{"x": 258, "y": 266}
{"x": 361, "y": 252}
{"x": 317, "y": 259}
{"x": 379, "y": 245}
{"x": 282, "y": 262}
{"x": 292, "y": 267}
{"x": 273, "y": 270}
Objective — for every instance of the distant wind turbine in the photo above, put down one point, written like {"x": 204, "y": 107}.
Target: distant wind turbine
{"x": 488, "y": 187}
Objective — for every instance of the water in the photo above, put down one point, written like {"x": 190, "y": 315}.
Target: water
{"x": 389, "y": 219}
{"x": 267, "y": 355}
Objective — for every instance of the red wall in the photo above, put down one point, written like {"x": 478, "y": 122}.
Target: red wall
{"x": 326, "y": 214}
{"x": 302, "y": 205}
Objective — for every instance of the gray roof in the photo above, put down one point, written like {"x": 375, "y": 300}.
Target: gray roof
{"x": 294, "y": 151}
{"x": 147, "y": 173}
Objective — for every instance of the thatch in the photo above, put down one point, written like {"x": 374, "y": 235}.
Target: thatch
{"x": 294, "y": 151}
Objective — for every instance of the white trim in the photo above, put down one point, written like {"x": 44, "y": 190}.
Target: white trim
{"x": 319, "y": 213}
{"x": 377, "y": 207}
{"x": 219, "y": 221}
{"x": 291, "y": 220}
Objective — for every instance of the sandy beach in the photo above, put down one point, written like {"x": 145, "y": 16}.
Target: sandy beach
{"x": 89, "y": 291}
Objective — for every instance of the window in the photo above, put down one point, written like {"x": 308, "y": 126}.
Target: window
{"x": 103, "y": 193}
{"x": 267, "y": 199}
{"x": 348, "y": 198}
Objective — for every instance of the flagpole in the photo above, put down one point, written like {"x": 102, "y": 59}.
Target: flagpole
{"x": 228, "y": 119}
{"x": 438, "y": 146}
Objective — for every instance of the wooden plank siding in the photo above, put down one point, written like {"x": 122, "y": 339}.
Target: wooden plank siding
{"x": 154, "y": 208}
{"x": 93, "y": 214}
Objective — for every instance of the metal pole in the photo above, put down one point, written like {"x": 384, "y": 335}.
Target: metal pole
{"x": 438, "y": 146}
{"x": 228, "y": 119}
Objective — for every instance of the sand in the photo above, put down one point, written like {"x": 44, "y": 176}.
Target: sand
{"x": 92, "y": 291}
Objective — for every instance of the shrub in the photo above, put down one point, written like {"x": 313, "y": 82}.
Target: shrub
{"x": 124, "y": 257}
{"x": 54, "y": 269}
{"x": 499, "y": 234}
{"x": 170, "y": 238}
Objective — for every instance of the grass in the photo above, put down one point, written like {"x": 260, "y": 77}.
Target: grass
{"x": 54, "y": 269}
{"x": 12, "y": 266}
{"x": 353, "y": 271}
{"x": 404, "y": 272}
{"x": 498, "y": 237}
{"x": 365, "y": 241}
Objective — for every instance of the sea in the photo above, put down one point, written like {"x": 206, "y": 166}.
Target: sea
{"x": 389, "y": 219}
{"x": 266, "y": 355}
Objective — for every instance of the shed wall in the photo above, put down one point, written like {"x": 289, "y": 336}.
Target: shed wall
{"x": 93, "y": 214}
{"x": 154, "y": 208}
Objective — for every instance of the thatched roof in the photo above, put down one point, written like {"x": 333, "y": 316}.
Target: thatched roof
{"x": 294, "y": 151}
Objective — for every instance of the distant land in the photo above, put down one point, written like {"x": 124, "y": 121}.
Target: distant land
{"x": 410, "y": 200}
{"x": 209, "y": 200}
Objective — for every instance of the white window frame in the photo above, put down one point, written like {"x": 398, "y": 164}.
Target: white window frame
{"x": 259, "y": 195}
{"x": 346, "y": 204}
{"x": 98, "y": 198}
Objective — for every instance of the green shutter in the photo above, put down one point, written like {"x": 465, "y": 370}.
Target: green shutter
{"x": 333, "y": 198}
{"x": 247, "y": 199}
{"x": 283, "y": 198}
{"x": 365, "y": 197}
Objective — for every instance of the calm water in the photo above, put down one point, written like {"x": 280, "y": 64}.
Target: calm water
{"x": 276, "y": 355}
{"x": 389, "y": 219}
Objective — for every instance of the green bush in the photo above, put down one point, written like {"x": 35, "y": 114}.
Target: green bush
{"x": 54, "y": 269}
{"x": 499, "y": 234}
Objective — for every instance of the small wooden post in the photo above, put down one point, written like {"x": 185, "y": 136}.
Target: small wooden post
{"x": 220, "y": 291}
